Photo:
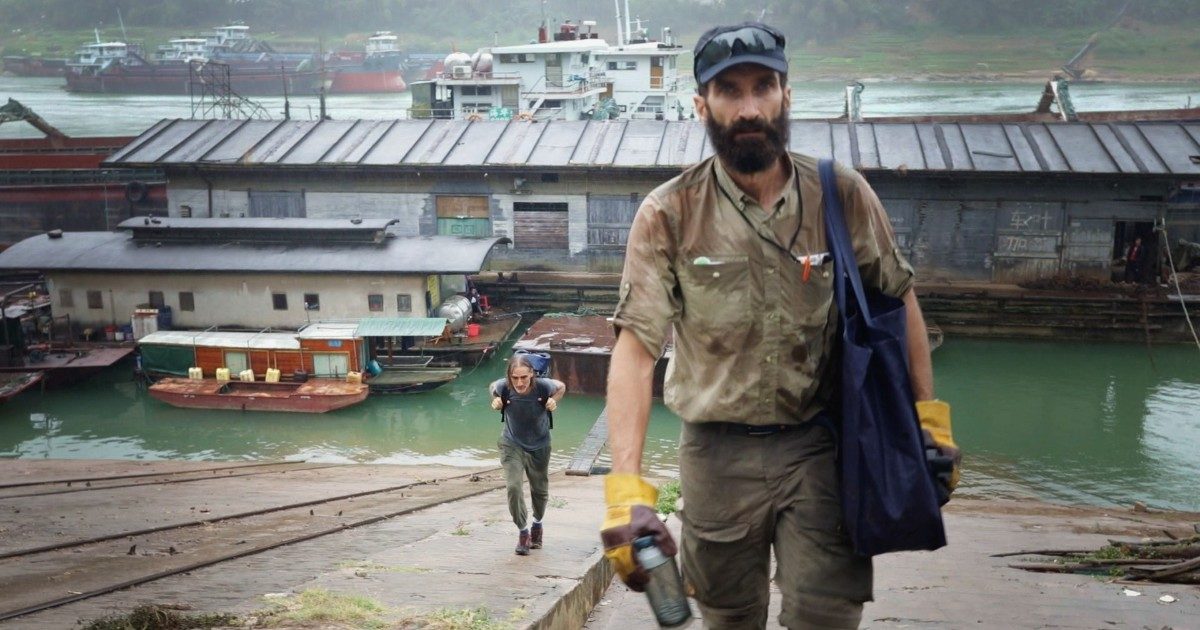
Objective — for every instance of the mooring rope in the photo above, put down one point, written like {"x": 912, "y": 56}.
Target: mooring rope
{"x": 1162, "y": 230}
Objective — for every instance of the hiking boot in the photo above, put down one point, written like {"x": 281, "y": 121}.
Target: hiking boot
{"x": 535, "y": 536}
{"x": 523, "y": 543}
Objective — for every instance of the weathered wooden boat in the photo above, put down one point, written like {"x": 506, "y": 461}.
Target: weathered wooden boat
{"x": 460, "y": 350}
{"x": 317, "y": 395}
{"x": 14, "y": 383}
{"x": 69, "y": 365}
{"x": 412, "y": 379}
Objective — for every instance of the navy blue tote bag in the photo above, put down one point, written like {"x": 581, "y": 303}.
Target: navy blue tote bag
{"x": 889, "y": 502}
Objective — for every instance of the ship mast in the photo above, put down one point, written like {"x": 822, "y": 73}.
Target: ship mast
{"x": 617, "y": 4}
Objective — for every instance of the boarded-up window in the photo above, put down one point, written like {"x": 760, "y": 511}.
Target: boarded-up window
{"x": 279, "y": 301}
{"x": 273, "y": 203}
{"x": 403, "y": 303}
{"x": 609, "y": 218}
{"x": 540, "y": 225}
{"x": 157, "y": 300}
{"x": 187, "y": 301}
{"x": 66, "y": 299}
{"x": 95, "y": 299}
{"x": 312, "y": 301}
{"x": 375, "y": 302}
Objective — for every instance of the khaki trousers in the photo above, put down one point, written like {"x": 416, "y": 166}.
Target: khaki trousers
{"x": 746, "y": 495}
{"x": 518, "y": 464}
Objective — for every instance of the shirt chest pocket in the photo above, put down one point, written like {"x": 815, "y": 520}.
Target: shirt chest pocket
{"x": 716, "y": 292}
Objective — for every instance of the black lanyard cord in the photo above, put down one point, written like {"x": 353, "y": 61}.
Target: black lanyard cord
{"x": 774, "y": 243}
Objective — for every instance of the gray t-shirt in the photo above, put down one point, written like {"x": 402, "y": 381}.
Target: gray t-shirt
{"x": 526, "y": 421}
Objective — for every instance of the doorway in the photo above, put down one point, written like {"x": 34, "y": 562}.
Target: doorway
{"x": 1124, "y": 235}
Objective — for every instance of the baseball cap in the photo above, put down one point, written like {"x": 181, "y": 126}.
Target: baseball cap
{"x": 749, "y": 42}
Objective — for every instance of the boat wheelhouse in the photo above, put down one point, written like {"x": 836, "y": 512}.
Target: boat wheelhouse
{"x": 182, "y": 50}
{"x": 575, "y": 76}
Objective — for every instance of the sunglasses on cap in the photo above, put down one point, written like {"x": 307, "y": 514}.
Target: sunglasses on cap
{"x": 748, "y": 40}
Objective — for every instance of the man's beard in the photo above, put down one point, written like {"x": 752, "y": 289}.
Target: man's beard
{"x": 750, "y": 155}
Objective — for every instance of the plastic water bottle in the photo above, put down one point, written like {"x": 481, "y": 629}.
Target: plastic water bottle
{"x": 665, "y": 589}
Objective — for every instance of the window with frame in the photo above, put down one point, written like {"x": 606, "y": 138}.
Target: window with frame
{"x": 403, "y": 303}
{"x": 375, "y": 302}
{"x": 279, "y": 301}
{"x": 95, "y": 299}
{"x": 66, "y": 299}
{"x": 622, "y": 65}
{"x": 312, "y": 301}
{"x": 157, "y": 300}
{"x": 187, "y": 301}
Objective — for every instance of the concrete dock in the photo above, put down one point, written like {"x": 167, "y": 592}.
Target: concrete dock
{"x": 429, "y": 545}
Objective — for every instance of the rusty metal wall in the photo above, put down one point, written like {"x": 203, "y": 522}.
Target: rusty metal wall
{"x": 1028, "y": 241}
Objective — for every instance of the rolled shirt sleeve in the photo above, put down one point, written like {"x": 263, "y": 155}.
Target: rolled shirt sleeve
{"x": 649, "y": 295}
{"x": 880, "y": 262}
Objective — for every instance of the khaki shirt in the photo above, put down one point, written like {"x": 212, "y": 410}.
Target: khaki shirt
{"x": 753, "y": 338}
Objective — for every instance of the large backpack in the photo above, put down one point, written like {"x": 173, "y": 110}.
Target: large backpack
{"x": 506, "y": 397}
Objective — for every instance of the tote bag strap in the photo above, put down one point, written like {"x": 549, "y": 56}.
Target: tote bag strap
{"x": 838, "y": 236}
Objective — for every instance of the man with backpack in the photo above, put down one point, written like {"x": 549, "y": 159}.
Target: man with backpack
{"x": 525, "y": 403}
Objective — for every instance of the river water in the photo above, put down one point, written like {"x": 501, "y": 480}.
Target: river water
{"x": 114, "y": 114}
{"x": 1100, "y": 424}
{"x": 1083, "y": 423}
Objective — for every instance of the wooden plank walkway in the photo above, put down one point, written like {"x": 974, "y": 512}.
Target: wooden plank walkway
{"x": 589, "y": 451}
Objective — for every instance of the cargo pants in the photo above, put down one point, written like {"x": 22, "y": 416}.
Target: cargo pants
{"x": 744, "y": 495}
{"x": 518, "y": 464}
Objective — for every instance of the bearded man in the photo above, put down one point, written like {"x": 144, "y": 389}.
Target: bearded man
{"x": 732, "y": 254}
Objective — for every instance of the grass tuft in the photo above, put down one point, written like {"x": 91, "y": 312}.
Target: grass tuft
{"x": 325, "y": 609}
{"x": 455, "y": 619}
{"x": 668, "y": 498}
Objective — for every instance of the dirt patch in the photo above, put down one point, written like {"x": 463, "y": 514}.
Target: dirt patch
{"x": 161, "y": 617}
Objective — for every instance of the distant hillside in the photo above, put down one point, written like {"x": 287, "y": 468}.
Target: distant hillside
{"x": 830, "y": 38}
{"x": 477, "y": 20}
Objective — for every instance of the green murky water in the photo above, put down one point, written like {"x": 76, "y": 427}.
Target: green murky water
{"x": 1081, "y": 423}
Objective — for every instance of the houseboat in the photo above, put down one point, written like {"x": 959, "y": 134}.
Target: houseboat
{"x": 381, "y": 349}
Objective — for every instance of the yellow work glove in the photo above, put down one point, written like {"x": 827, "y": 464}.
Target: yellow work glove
{"x": 631, "y": 514}
{"x": 941, "y": 452}
{"x": 497, "y": 403}
{"x": 551, "y": 404}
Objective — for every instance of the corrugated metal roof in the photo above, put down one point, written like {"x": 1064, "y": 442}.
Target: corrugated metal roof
{"x": 1146, "y": 147}
{"x": 118, "y": 251}
{"x": 400, "y": 327}
{"x": 329, "y": 330}
{"x": 224, "y": 339}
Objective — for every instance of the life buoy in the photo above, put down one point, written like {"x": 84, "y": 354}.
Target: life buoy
{"x": 474, "y": 118}
{"x": 136, "y": 191}
{"x": 524, "y": 116}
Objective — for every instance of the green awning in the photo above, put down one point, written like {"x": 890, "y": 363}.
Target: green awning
{"x": 400, "y": 327}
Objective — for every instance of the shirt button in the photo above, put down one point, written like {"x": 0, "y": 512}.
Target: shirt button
{"x": 770, "y": 270}
{"x": 716, "y": 274}
{"x": 824, "y": 274}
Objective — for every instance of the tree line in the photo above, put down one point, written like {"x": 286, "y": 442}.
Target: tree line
{"x": 478, "y": 21}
